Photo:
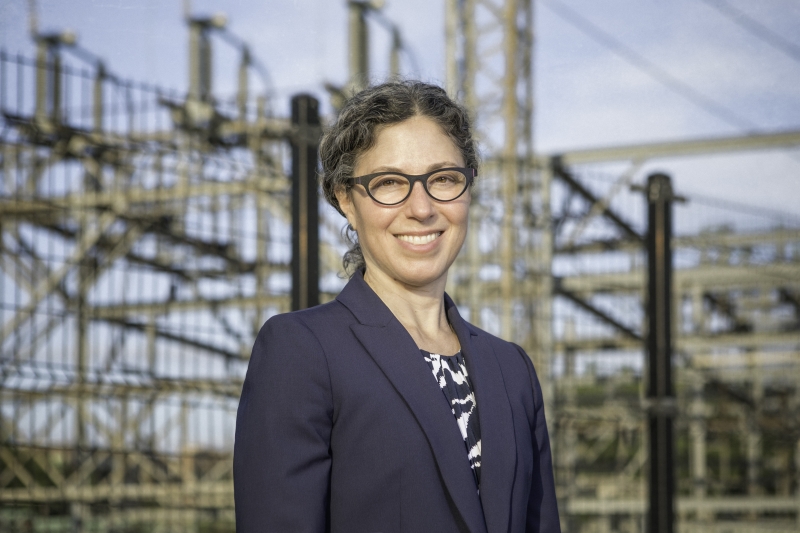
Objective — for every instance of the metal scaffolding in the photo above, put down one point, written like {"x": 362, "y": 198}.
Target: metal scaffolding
{"x": 503, "y": 275}
{"x": 736, "y": 336}
{"x": 145, "y": 239}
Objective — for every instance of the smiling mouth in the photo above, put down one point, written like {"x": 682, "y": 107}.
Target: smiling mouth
{"x": 419, "y": 239}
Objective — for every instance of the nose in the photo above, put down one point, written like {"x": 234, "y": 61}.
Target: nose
{"x": 419, "y": 204}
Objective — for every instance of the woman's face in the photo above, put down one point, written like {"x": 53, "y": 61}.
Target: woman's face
{"x": 413, "y": 243}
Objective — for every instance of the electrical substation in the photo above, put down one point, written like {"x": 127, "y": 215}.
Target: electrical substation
{"x": 147, "y": 234}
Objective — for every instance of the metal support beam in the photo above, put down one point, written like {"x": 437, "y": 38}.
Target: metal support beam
{"x": 586, "y": 306}
{"x": 358, "y": 51}
{"x": 691, "y": 147}
{"x": 564, "y": 175}
{"x": 305, "y": 209}
{"x": 43, "y": 289}
{"x": 508, "y": 168}
{"x": 394, "y": 54}
{"x": 199, "y": 61}
{"x": 725, "y": 306}
{"x": 98, "y": 100}
{"x": 661, "y": 513}
{"x": 698, "y": 435}
{"x": 451, "y": 19}
{"x": 242, "y": 90}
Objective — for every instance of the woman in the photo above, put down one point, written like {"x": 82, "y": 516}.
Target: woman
{"x": 384, "y": 410}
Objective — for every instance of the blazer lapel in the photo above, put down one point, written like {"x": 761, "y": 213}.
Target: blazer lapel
{"x": 394, "y": 351}
{"x": 498, "y": 448}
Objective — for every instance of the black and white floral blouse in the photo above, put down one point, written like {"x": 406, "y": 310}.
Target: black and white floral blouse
{"x": 451, "y": 375}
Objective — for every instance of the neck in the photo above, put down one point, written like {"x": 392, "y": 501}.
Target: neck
{"x": 419, "y": 309}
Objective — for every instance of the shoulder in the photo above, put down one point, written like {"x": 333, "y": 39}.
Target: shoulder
{"x": 516, "y": 366}
{"x": 299, "y": 335}
{"x": 508, "y": 353}
{"x": 317, "y": 321}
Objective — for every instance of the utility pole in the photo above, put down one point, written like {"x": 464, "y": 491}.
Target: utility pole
{"x": 660, "y": 394}
{"x": 305, "y": 209}
{"x": 49, "y": 73}
{"x": 358, "y": 50}
{"x": 199, "y": 103}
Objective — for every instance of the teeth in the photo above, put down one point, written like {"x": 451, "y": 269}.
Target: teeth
{"x": 419, "y": 239}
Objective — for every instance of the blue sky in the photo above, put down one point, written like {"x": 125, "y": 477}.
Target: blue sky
{"x": 586, "y": 94}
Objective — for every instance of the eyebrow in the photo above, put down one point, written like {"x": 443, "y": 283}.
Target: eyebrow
{"x": 431, "y": 167}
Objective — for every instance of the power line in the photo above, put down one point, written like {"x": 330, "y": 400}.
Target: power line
{"x": 654, "y": 71}
{"x": 775, "y": 215}
{"x": 745, "y": 21}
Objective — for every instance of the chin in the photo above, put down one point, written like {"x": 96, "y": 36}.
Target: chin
{"x": 420, "y": 276}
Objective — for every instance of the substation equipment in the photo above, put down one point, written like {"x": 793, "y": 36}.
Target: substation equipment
{"x": 147, "y": 235}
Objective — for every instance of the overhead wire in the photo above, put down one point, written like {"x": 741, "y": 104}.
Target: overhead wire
{"x": 666, "y": 79}
{"x": 755, "y": 28}
{"x": 778, "y": 216}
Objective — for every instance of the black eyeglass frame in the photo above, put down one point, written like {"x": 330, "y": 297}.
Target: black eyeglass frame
{"x": 469, "y": 173}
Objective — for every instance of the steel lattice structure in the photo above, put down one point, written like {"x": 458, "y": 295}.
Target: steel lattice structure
{"x": 144, "y": 242}
{"x": 736, "y": 325}
{"x": 558, "y": 265}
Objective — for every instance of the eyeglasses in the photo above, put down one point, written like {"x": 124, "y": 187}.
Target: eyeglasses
{"x": 392, "y": 188}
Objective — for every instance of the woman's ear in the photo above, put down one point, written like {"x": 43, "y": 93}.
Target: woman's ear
{"x": 346, "y": 204}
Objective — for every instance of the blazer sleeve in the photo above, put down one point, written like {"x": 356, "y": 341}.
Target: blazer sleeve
{"x": 282, "y": 457}
{"x": 542, "y": 506}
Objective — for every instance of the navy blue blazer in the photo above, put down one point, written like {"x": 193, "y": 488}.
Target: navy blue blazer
{"x": 341, "y": 427}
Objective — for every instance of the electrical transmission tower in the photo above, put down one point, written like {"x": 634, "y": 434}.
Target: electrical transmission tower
{"x": 545, "y": 266}
{"x": 502, "y": 277}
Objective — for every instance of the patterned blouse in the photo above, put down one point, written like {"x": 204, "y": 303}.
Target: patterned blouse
{"x": 451, "y": 375}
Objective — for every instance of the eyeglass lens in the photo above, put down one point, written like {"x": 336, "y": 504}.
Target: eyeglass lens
{"x": 392, "y": 188}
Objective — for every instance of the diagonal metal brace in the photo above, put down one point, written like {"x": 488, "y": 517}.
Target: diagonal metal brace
{"x": 586, "y": 306}
{"x": 89, "y": 239}
{"x": 564, "y": 175}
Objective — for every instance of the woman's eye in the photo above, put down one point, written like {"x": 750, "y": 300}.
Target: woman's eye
{"x": 387, "y": 182}
{"x": 444, "y": 178}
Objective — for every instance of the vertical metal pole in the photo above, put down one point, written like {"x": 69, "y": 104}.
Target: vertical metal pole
{"x": 464, "y": 13}
{"x": 195, "y": 36}
{"x": 305, "y": 209}
{"x": 797, "y": 470}
{"x": 697, "y": 451}
{"x": 55, "y": 87}
{"x": 241, "y": 94}
{"x": 470, "y": 52}
{"x": 509, "y": 169}
{"x": 262, "y": 220}
{"x": 358, "y": 57}
{"x": 753, "y": 438}
{"x": 82, "y": 347}
{"x": 567, "y": 456}
{"x": 42, "y": 49}
{"x": 660, "y": 393}
{"x": 451, "y": 48}
{"x": 3, "y": 80}
{"x": 206, "y": 91}
{"x": 527, "y": 37}
{"x": 97, "y": 102}
{"x": 394, "y": 56}
{"x": 542, "y": 352}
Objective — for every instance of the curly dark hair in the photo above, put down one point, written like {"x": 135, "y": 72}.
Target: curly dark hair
{"x": 354, "y": 133}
